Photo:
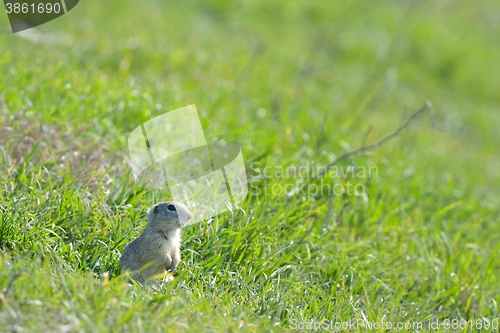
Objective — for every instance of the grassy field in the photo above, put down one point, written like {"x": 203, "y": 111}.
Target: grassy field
{"x": 294, "y": 83}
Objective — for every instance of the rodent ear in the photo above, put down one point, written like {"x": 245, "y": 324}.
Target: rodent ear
{"x": 156, "y": 210}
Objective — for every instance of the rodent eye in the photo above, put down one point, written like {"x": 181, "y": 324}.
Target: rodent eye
{"x": 171, "y": 207}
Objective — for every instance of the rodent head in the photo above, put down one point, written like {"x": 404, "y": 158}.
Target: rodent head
{"x": 168, "y": 215}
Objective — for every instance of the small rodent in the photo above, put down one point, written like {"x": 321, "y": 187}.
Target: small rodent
{"x": 159, "y": 244}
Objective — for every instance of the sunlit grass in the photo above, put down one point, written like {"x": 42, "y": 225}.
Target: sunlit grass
{"x": 291, "y": 83}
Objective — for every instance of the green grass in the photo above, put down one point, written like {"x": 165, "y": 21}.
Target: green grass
{"x": 291, "y": 82}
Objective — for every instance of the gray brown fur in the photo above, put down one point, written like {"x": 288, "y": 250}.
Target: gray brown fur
{"x": 158, "y": 245}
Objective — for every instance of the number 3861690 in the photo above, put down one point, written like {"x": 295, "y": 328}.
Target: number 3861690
{"x": 32, "y": 8}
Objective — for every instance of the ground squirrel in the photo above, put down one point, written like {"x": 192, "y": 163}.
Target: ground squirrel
{"x": 159, "y": 244}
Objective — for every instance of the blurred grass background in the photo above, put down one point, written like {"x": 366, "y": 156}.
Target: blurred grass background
{"x": 271, "y": 77}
